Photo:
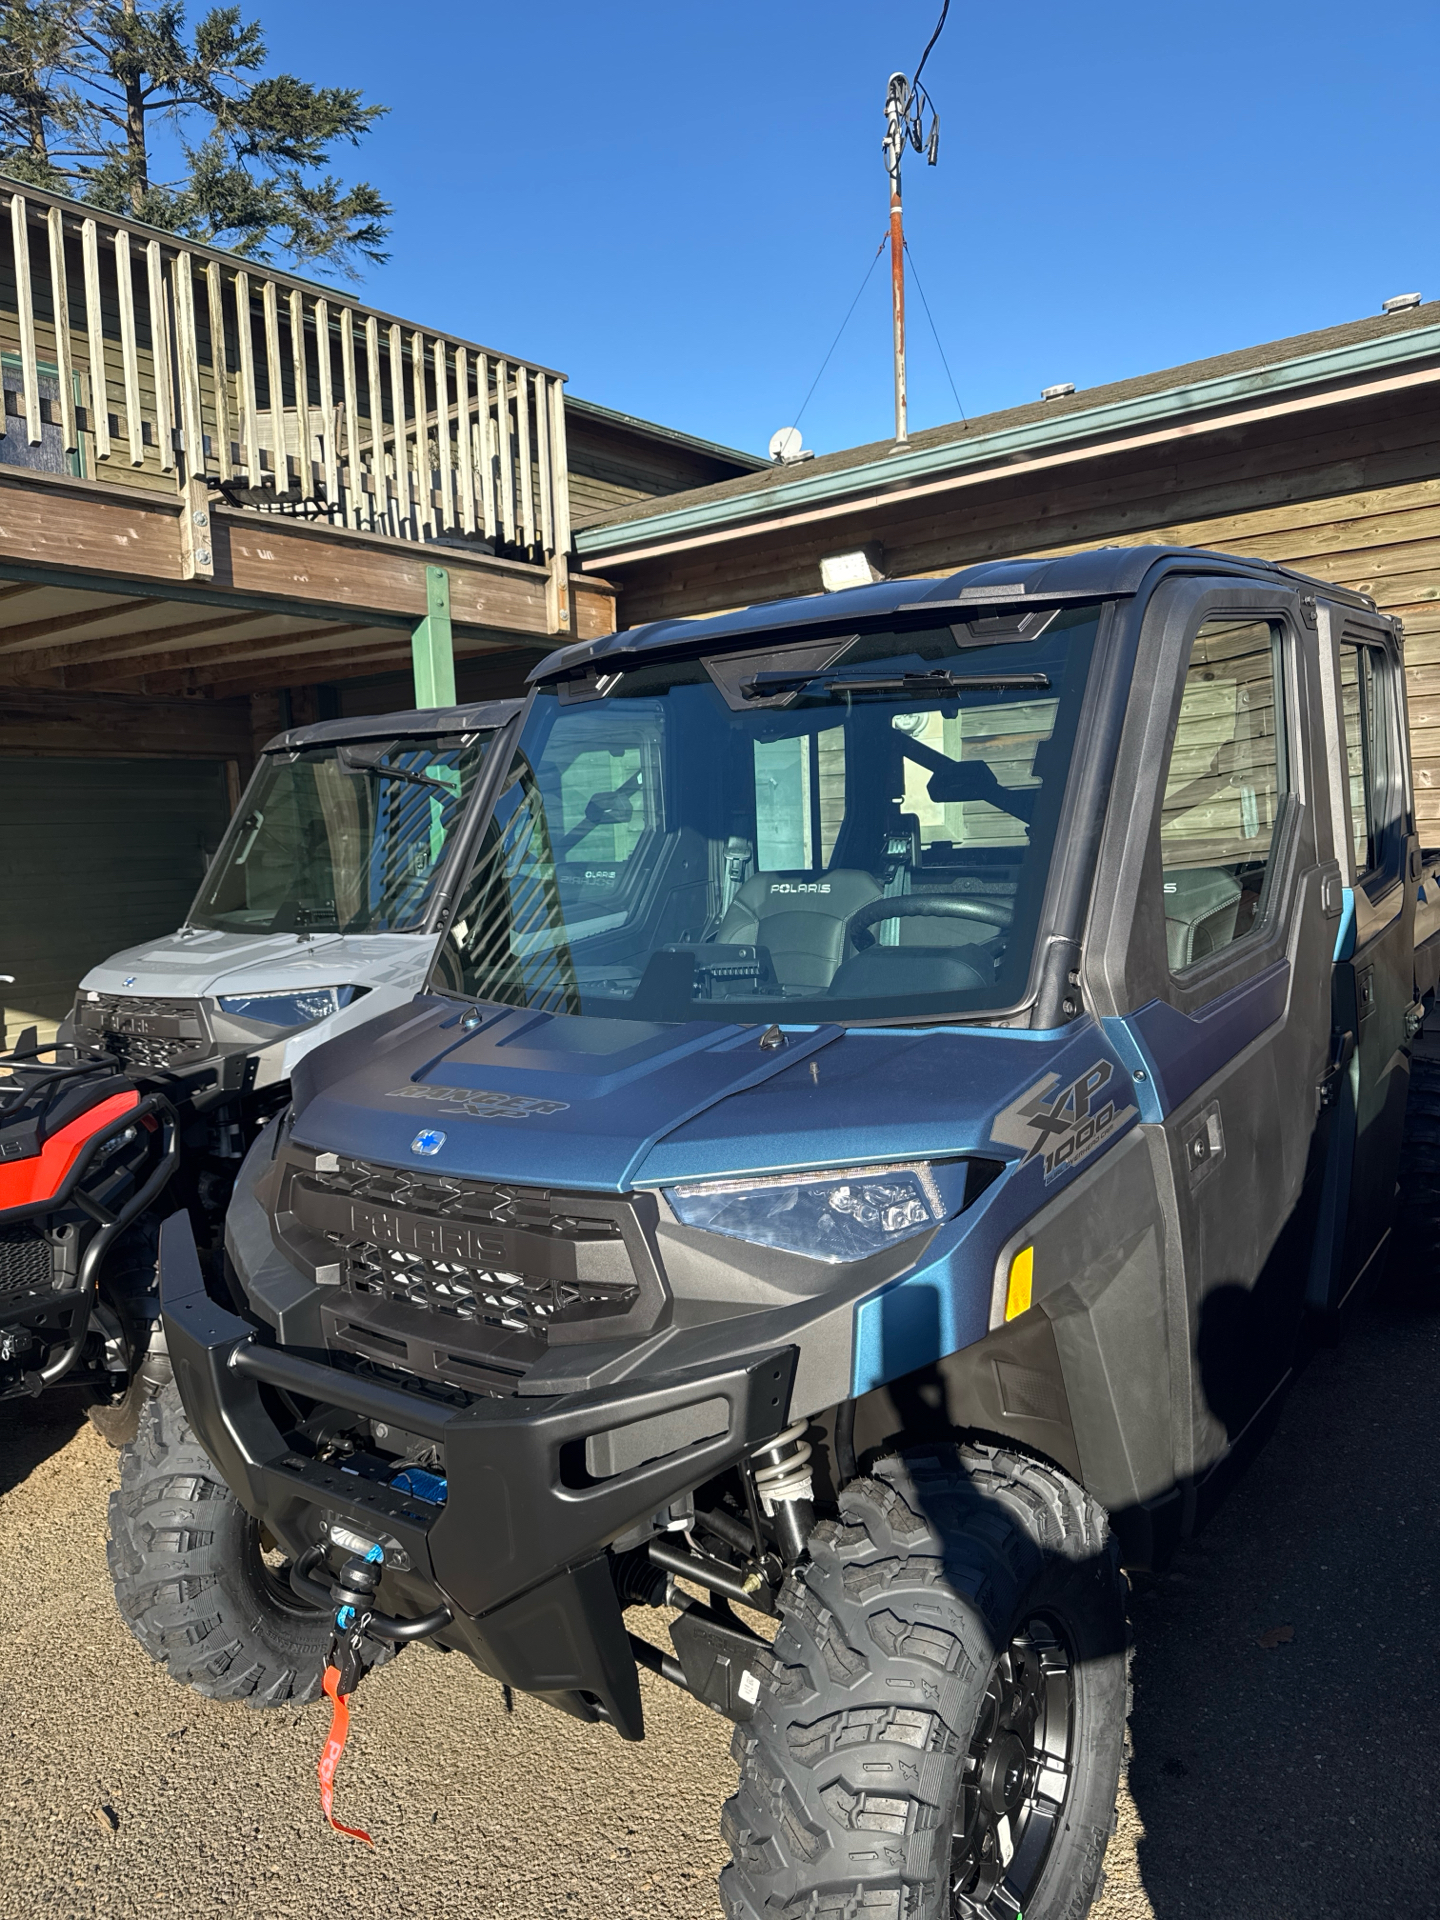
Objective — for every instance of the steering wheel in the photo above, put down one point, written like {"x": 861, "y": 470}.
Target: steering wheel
{"x": 910, "y": 906}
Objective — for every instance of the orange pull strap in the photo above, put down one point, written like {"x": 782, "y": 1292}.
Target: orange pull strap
{"x": 330, "y": 1758}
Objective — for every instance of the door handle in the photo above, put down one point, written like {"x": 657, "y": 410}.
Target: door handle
{"x": 1327, "y": 1088}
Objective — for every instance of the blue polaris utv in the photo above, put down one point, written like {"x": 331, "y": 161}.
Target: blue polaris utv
{"x": 903, "y": 1076}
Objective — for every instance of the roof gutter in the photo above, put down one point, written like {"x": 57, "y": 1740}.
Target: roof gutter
{"x": 1168, "y": 415}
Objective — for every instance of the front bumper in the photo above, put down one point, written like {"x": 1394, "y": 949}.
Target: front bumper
{"x": 518, "y": 1552}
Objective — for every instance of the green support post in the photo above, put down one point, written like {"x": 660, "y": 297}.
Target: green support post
{"x": 432, "y": 647}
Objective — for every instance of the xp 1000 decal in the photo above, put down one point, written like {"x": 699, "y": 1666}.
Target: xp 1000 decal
{"x": 1065, "y": 1127}
{"x": 480, "y": 1103}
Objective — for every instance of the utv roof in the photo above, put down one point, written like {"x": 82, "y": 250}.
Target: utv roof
{"x": 1102, "y": 573}
{"x": 421, "y": 722}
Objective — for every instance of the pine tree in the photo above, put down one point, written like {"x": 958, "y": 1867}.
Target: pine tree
{"x": 39, "y": 107}
{"x": 255, "y": 147}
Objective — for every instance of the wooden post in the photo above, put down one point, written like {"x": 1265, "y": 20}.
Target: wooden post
{"x": 60, "y": 297}
{"x": 432, "y": 646}
{"x": 129, "y": 352}
{"x": 526, "y": 483}
{"x": 302, "y": 393}
{"x": 197, "y": 550}
{"x": 354, "y": 479}
{"x": 542, "y": 448}
{"x": 29, "y": 371}
{"x": 557, "y": 586}
{"x": 507, "y": 464}
{"x": 380, "y": 515}
{"x": 249, "y": 410}
{"x": 95, "y": 332}
{"x": 187, "y": 363}
{"x": 464, "y": 442}
{"x": 408, "y": 530}
{"x": 489, "y": 525}
{"x": 424, "y": 472}
{"x": 220, "y": 370}
{"x": 160, "y": 356}
{"x": 275, "y": 382}
{"x": 442, "y": 437}
{"x": 329, "y": 450}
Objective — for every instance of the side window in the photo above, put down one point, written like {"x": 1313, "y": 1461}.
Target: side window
{"x": 799, "y": 801}
{"x": 1224, "y": 787}
{"x": 1365, "y": 709}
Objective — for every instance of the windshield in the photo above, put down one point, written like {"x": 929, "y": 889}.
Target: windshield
{"x": 854, "y": 829}
{"x": 346, "y": 838}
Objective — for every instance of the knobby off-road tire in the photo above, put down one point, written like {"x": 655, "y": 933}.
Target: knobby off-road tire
{"x": 191, "y": 1580}
{"x": 955, "y": 1643}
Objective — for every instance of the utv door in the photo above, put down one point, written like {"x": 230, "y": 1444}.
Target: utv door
{"x": 1218, "y": 951}
{"x": 1375, "y": 962}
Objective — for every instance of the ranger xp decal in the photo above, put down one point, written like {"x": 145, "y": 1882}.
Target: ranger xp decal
{"x": 1065, "y": 1128}
{"x": 480, "y": 1102}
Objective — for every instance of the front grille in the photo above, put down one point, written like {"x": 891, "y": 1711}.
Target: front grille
{"x": 462, "y": 1278}
{"x": 24, "y": 1262}
{"x": 145, "y": 1033}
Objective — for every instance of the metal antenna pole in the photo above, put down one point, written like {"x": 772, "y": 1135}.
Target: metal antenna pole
{"x": 897, "y": 107}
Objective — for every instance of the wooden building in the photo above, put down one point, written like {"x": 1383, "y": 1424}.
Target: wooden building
{"x": 231, "y": 500}
{"x": 1322, "y": 452}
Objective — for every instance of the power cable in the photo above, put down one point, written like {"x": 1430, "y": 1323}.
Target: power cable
{"x": 843, "y": 324}
{"x": 920, "y": 289}
{"x": 939, "y": 25}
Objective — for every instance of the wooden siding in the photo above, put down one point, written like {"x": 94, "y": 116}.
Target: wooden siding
{"x": 1350, "y": 493}
{"x": 613, "y": 465}
{"x": 36, "y": 722}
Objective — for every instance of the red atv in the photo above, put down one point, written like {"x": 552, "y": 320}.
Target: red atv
{"x": 85, "y": 1151}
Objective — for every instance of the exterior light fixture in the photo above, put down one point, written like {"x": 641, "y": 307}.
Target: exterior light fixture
{"x": 841, "y": 570}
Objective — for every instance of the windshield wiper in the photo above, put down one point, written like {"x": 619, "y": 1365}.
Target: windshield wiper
{"x": 358, "y": 760}
{"x": 908, "y": 685}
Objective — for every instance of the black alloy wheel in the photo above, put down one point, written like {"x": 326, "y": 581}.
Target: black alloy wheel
{"x": 1016, "y": 1777}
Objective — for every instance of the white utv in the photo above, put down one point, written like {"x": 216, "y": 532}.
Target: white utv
{"x": 320, "y": 910}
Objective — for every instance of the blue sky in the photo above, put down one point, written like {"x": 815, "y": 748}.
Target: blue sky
{"x": 676, "y": 204}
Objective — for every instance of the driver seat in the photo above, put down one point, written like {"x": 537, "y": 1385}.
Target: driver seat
{"x": 801, "y": 919}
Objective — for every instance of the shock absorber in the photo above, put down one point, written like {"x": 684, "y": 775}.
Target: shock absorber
{"x": 785, "y": 1487}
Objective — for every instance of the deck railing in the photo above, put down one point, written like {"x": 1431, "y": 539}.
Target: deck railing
{"x": 132, "y": 355}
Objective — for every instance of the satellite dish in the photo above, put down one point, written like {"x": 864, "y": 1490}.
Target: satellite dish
{"x": 786, "y": 444}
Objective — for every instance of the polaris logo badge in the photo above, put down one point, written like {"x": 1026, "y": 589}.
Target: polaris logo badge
{"x": 480, "y": 1103}
{"x": 799, "y": 886}
{"x": 1063, "y": 1128}
{"x": 129, "y": 980}
{"x": 428, "y": 1140}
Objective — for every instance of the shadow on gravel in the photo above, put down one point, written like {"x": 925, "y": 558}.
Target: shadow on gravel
{"x": 1287, "y": 1668}
{"x": 31, "y": 1430}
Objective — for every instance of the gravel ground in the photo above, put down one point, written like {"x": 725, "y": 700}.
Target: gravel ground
{"x": 1267, "y": 1782}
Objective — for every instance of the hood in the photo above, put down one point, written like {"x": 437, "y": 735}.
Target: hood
{"x": 208, "y": 962}
{"x": 575, "y": 1101}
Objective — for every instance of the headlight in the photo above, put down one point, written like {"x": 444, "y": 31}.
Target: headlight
{"x": 289, "y": 1009}
{"x": 829, "y": 1216}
